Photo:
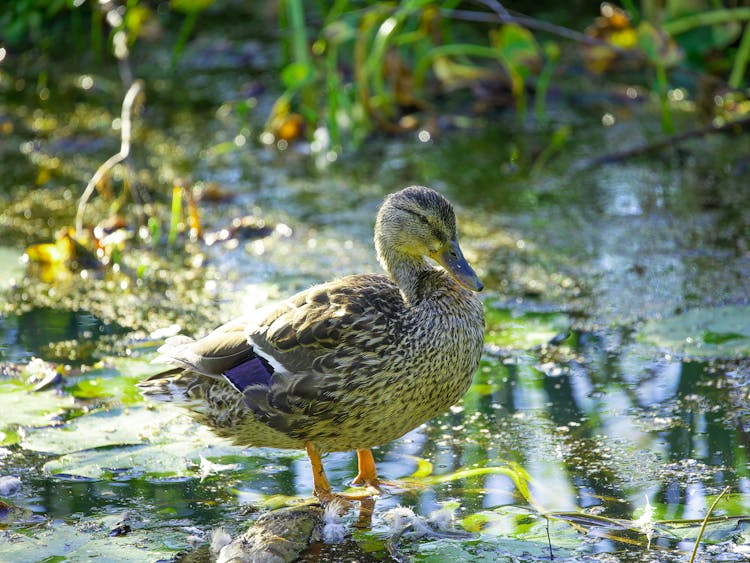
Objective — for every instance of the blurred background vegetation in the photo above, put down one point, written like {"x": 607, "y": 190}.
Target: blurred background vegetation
{"x": 347, "y": 69}
{"x": 326, "y": 77}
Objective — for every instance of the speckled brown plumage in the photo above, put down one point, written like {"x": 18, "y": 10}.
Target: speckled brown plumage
{"x": 352, "y": 363}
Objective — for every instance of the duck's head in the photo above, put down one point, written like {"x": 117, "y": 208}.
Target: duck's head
{"x": 417, "y": 222}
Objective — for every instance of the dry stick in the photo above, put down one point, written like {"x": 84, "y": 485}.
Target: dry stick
{"x": 705, "y": 521}
{"x": 125, "y": 128}
{"x": 737, "y": 124}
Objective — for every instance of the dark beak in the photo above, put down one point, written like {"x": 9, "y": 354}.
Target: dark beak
{"x": 452, "y": 259}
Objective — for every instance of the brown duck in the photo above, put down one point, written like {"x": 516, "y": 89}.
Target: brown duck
{"x": 348, "y": 364}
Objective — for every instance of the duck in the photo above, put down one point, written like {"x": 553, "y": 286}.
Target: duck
{"x": 346, "y": 365}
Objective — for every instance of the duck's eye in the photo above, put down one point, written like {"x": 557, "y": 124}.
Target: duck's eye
{"x": 423, "y": 219}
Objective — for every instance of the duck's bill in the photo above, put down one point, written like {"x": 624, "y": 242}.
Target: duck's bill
{"x": 452, "y": 259}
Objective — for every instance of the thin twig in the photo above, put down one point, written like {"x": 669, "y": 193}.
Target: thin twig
{"x": 737, "y": 124}
{"x": 125, "y": 129}
{"x": 496, "y": 7}
{"x": 705, "y": 521}
{"x": 549, "y": 541}
{"x": 539, "y": 25}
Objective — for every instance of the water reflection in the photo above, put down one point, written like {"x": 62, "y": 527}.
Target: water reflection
{"x": 32, "y": 333}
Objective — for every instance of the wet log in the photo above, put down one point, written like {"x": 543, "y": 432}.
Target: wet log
{"x": 279, "y": 536}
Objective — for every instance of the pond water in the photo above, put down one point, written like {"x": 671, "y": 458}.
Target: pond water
{"x": 613, "y": 383}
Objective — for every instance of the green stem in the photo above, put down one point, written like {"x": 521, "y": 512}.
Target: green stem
{"x": 705, "y": 521}
{"x": 96, "y": 33}
{"x": 185, "y": 30}
{"x": 296, "y": 15}
{"x": 740, "y": 61}
{"x": 681, "y": 25}
{"x": 542, "y": 86}
{"x": 335, "y": 88}
{"x": 666, "y": 113}
{"x": 176, "y": 215}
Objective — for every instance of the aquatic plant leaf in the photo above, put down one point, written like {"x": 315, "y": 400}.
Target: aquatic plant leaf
{"x": 424, "y": 467}
{"x": 161, "y": 460}
{"x": 515, "y": 535}
{"x": 24, "y": 407}
{"x": 115, "y": 381}
{"x": 660, "y": 49}
{"x": 135, "y": 441}
{"x": 454, "y": 75}
{"x": 123, "y": 427}
{"x": 519, "y": 53}
{"x": 114, "y": 427}
{"x": 718, "y": 332}
{"x": 518, "y": 48}
{"x": 61, "y": 541}
{"x": 467, "y": 474}
{"x": 507, "y": 328}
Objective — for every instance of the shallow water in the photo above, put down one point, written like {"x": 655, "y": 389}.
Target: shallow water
{"x": 614, "y": 376}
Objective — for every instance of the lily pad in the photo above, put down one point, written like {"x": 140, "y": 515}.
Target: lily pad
{"x": 138, "y": 440}
{"x": 24, "y": 407}
{"x": 508, "y": 328}
{"x": 718, "y": 332}
{"x": 90, "y": 542}
{"x": 115, "y": 427}
{"x": 114, "y": 381}
{"x": 161, "y": 460}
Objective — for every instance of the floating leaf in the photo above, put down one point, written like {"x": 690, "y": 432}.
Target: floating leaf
{"x": 507, "y": 328}
{"x": 136, "y": 441}
{"x": 60, "y": 541}
{"x": 115, "y": 427}
{"x": 24, "y": 407}
{"x": 719, "y": 332}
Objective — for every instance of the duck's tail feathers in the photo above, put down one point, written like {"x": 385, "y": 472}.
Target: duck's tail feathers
{"x": 173, "y": 386}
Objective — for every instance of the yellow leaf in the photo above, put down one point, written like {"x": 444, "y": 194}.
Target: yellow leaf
{"x": 626, "y": 38}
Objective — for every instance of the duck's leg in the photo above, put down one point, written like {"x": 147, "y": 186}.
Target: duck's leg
{"x": 367, "y": 475}
{"x": 321, "y": 486}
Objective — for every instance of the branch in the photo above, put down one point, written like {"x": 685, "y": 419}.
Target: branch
{"x": 731, "y": 126}
{"x": 125, "y": 128}
{"x": 502, "y": 16}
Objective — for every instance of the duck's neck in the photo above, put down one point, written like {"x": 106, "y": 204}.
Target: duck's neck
{"x": 406, "y": 271}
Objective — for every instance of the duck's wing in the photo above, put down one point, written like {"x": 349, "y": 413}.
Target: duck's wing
{"x": 329, "y": 327}
{"x": 212, "y": 355}
{"x": 300, "y": 362}
{"x": 324, "y": 345}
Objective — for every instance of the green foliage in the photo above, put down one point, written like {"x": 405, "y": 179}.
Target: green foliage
{"x": 390, "y": 49}
{"x": 22, "y": 21}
